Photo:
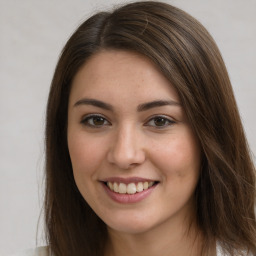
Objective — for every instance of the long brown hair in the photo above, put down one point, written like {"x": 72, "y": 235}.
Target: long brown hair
{"x": 186, "y": 54}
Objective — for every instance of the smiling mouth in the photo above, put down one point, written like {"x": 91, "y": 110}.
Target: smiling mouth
{"x": 131, "y": 188}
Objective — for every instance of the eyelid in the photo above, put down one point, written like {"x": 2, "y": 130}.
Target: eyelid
{"x": 167, "y": 118}
{"x": 169, "y": 121}
{"x": 88, "y": 116}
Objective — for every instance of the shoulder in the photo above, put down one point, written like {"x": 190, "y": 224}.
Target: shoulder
{"x": 220, "y": 252}
{"x": 39, "y": 251}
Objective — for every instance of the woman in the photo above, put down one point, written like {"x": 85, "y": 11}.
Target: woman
{"x": 145, "y": 151}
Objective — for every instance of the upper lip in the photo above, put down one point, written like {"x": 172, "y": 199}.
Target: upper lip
{"x": 127, "y": 180}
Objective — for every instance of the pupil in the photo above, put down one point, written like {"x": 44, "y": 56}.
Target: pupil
{"x": 160, "y": 121}
{"x": 98, "y": 120}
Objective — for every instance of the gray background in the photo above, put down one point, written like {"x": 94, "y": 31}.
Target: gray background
{"x": 32, "y": 35}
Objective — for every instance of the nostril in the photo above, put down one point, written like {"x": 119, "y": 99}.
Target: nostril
{"x": 126, "y": 153}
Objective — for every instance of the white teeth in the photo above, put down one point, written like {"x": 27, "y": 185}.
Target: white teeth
{"x": 122, "y": 188}
{"x": 145, "y": 185}
{"x": 110, "y": 185}
{"x": 150, "y": 184}
{"x": 139, "y": 187}
{"x": 116, "y": 187}
{"x": 130, "y": 188}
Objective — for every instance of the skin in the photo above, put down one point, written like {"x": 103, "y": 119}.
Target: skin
{"x": 130, "y": 142}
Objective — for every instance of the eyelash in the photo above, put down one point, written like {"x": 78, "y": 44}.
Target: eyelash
{"x": 167, "y": 121}
{"x": 85, "y": 121}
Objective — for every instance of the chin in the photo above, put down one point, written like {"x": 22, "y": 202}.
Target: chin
{"x": 130, "y": 229}
{"x": 131, "y": 226}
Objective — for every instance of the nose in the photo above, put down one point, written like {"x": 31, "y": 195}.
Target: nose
{"x": 126, "y": 151}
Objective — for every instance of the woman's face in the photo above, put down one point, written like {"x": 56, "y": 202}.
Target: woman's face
{"x": 135, "y": 158}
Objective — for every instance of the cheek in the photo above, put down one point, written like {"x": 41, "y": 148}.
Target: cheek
{"x": 178, "y": 157}
{"x": 85, "y": 158}
{"x": 84, "y": 154}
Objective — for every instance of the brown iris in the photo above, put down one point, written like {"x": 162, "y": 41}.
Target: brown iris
{"x": 160, "y": 121}
{"x": 98, "y": 121}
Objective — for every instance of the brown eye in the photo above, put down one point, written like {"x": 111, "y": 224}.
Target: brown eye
{"x": 160, "y": 122}
{"x": 95, "y": 121}
{"x": 98, "y": 120}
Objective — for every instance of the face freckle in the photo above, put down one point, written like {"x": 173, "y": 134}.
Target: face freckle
{"x": 129, "y": 93}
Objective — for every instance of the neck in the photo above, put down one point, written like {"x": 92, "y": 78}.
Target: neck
{"x": 169, "y": 239}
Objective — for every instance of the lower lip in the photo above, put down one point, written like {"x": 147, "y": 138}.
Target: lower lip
{"x": 128, "y": 198}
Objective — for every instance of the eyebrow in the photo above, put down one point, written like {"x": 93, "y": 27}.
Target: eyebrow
{"x": 93, "y": 102}
{"x": 140, "y": 108}
{"x": 157, "y": 103}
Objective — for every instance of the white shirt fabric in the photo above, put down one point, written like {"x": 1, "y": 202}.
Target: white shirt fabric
{"x": 43, "y": 251}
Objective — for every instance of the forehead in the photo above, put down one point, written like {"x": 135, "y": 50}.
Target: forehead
{"x": 121, "y": 74}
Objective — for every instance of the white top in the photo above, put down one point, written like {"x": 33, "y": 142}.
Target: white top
{"x": 43, "y": 251}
